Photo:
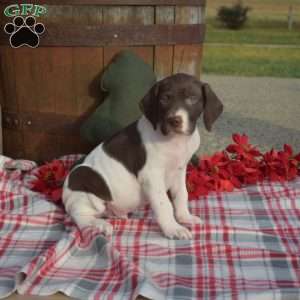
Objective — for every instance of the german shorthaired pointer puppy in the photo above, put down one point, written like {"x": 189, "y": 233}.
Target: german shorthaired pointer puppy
{"x": 146, "y": 162}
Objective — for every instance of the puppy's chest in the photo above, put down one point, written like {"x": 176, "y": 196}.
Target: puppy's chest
{"x": 174, "y": 158}
{"x": 178, "y": 152}
{"x": 177, "y": 157}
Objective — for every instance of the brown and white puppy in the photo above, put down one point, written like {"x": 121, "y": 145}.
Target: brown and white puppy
{"x": 147, "y": 159}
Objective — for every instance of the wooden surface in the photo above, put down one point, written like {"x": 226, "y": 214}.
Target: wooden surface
{"x": 111, "y": 2}
{"x": 187, "y": 58}
{"x": 163, "y": 65}
{"x": 95, "y": 36}
{"x": 66, "y": 80}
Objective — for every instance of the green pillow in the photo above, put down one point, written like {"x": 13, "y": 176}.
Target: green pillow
{"x": 127, "y": 79}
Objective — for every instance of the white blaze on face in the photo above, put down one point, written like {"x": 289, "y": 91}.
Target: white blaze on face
{"x": 182, "y": 113}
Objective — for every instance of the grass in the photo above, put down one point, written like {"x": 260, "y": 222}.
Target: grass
{"x": 256, "y": 31}
{"x": 267, "y": 25}
{"x": 260, "y": 37}
{"x": 251, "y": 61}
{"x": 276, "y": 9}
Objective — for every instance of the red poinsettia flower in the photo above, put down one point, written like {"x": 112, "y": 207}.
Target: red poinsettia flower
{"x": 196, "y": 182}
{"x": 271, "y": 165}
{"x": 49, "y": 179}
{"x": 289, "y": 163}
{"x": 281, "y": 165}
{"x": 241, "y": 163}
{"x": 213, "y": 168}
{"x": 248, "y": 172}
{"x": 297, "y": 158}
{"x": 211, "y": 174}
{"x": 242, "y": 148}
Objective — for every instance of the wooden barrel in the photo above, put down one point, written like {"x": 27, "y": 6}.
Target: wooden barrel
{"x": 47, "y": 91}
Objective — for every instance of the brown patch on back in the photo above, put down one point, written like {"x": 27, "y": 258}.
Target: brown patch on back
{"x": 127, "y": 148}
{"x": 85, "y": 179}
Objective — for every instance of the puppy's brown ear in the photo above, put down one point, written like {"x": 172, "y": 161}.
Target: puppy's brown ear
{"x": 149, "y": 105}
{"x": 213, "y": 107}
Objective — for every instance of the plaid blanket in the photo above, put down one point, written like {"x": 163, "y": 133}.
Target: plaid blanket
{"x": 248, "y": 248}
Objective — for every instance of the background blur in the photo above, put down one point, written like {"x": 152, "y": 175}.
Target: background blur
{"x": 265, "y": 46}
{"x": 255, "y": 70}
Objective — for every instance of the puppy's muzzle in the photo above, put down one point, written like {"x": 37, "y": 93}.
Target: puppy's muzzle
{"x": 175, "y": 122}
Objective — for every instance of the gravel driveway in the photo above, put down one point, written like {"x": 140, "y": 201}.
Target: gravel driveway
{"x": 266, "y": 109}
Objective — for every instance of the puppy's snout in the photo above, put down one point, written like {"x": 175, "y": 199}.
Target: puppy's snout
{"x": 175, "y": 121}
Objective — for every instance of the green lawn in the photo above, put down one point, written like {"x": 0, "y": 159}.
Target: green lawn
{"x": 251, "y": 61}
{"x": 253, "y": 35}
{"x": 256, "y": 31}
{"x": 261, "y": 9}
{"x": 267, "y": 25}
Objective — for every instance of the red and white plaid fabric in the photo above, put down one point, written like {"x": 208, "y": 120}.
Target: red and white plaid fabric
{"x": 248, "y": 248}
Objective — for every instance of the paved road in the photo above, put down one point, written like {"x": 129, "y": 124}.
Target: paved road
{"x": 266, "y": 109}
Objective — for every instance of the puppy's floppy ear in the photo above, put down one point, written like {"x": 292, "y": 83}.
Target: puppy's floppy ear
{"x": 213, "y": 107}
{"x": 149, "y": 105}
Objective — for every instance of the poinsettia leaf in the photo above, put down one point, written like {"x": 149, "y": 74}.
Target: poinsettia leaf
{"x": 288, "y": 149}
{"x": 38, "y": 185}
{"x": 236, "y": 182}
{"x": 255, "y": 152}
{"x": 292, "y": 173}
{"x": 297, "y": 157}
{"x": 226, "y": 185}
{"x": 56, "y": 194}
{"x": 250, "y": 170}
{"x": 240, "y": 139}
{"x": 232, "y": 148}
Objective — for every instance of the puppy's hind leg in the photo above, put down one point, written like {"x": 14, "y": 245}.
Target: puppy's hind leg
{"x": 86, "y": 210}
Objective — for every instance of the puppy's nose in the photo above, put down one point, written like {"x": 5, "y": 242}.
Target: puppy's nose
{"x": 175, "y": 121}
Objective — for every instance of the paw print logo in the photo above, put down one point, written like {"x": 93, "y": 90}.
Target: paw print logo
{"x": 24, "y": 32}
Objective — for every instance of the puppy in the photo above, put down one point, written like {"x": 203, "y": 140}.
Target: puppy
{"x": 146, "y": 161}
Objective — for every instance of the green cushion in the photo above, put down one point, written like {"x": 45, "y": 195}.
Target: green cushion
{"x": 127, "y": 79}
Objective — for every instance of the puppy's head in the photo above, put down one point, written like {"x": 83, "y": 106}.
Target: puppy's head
{"x": 175, "y": 103}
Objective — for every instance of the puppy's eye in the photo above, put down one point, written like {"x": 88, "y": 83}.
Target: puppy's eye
{"x": 165, "y": 99}
{"x": 191, "y": 100}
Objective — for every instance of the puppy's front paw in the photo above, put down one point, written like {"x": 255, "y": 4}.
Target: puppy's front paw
{"x": 189, "y": 219}
{"x": 103, "y": 226}
{"x": 177, "y": 231}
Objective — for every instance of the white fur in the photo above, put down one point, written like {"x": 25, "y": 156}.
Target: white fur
{"x": 183, "y": 114}
{"x": 165, "y": 169}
